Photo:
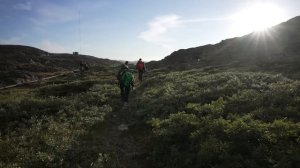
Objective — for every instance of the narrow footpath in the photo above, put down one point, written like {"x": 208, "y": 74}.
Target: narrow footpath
{"x": 35, "y": 81}
{"x": 121, "y": 138}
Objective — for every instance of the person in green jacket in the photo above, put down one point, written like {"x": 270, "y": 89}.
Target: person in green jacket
{"x": 126, "y": 82}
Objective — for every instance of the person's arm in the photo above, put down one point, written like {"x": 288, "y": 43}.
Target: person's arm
{"x": 118, "y": 76}
{"x": 132, "y": 83}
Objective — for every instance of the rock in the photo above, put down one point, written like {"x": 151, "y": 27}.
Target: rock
{"x": 123, "y": 127}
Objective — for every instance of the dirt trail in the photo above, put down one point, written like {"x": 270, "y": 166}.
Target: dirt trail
{"x": 121, "y": 136}
{"x": 35, "y": 81}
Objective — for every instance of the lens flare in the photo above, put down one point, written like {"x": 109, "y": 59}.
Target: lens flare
{"x": 257, "y": 17}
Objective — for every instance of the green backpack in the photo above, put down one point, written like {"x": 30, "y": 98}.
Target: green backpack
{"x": 127, "y": 78}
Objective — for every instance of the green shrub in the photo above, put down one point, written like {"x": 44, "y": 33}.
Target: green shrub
{"x": 231, "y": 119}
{"x": 39, "y": 129}
{"x": 65, "y": 89}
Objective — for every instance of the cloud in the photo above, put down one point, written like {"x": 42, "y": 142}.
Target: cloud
{"x": 53, "y": 14}
{"x": 48, "y": 13}
{"x": 23, "y": 6}
{"x": 11, "y": 40}
{"x": 197, "y": 20}
{"x": 160, "y": 26}
{"x": 52, "y": 47}
{"x": 157, "y": 29}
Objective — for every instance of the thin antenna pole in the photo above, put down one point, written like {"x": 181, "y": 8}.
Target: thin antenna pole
{"x": 79, "y": 31}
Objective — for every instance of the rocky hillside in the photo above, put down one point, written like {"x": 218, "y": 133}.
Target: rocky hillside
{"x": 19, "y": 63}
{"x": 276, "y": 49}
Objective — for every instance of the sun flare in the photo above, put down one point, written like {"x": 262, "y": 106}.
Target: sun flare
{"x": 257, "y": 17}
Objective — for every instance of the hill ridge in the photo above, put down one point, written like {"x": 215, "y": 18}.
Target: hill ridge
{"x": 276, "y": 49}
{"x": 22, "y": 63}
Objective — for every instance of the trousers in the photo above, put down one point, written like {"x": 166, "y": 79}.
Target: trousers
{"x": 124, "y": 92}
{"x": 141, "y": 72}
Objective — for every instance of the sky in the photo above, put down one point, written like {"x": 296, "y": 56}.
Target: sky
{"x": 133, "y": 29}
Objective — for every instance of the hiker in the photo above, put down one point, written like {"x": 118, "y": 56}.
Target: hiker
{"x": 83, "y": 66}
{"x": 125, "y": 79}
{"x": 140, "y": 66}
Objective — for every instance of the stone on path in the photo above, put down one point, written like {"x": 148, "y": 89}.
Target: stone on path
{"x": 123, "y": 127}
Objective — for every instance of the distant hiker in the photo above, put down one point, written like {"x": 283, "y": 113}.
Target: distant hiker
{"x": 140, "y": 66}
{"x": 83, "y": 66}
{"x": 125, "y": 79}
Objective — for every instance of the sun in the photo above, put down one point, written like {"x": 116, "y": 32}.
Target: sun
{"x": 257, "y": 17}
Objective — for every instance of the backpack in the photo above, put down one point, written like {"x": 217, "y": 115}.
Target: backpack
{"x": 120, "y": 72}
{"x": 140, "y": 65}
{"x": 126, "y": 78}
{"x": 119, "y": 75}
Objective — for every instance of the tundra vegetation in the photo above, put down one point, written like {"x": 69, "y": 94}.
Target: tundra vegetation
{"x": 191, "y": 118}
